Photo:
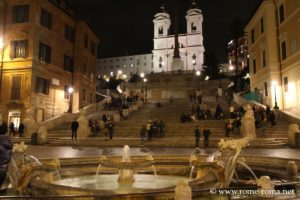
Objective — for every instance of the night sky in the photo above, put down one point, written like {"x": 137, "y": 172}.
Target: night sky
{"x": 125, "y": 27}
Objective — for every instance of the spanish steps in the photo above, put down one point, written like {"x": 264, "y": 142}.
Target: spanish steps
{"x": 177, "y": 134}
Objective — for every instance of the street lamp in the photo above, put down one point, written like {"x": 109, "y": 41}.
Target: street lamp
{"x": 142, "y": 76}
{"x": 124, "y": 78}
{"x": 274, "y": 83}
{"x": 145, "y": 93}
{"x": 194, "y": 59}
{"x": 198, "y": 73}
{"x": 70, "y": 91}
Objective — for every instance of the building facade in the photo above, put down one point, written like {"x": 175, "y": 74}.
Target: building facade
{"x": 237, "y": 50}
{"x": 127, "y": 65}
{"x": 191, "y": 47}
{"x": 274, "y": 40}
{"x": 45, "y": 52}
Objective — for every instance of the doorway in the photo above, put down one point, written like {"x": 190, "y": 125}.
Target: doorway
{"x": 14, "y": 116}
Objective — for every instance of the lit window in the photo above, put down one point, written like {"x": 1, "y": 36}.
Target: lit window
{"x": 19, "y": 49}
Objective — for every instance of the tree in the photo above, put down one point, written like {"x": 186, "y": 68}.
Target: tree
{"x": 211, "y": 68}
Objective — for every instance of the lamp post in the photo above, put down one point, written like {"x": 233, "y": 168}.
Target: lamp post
{"x": 145, "y": 93}
{"x": 198, "y": 73}
{"x": 142, "y": 76}
{"x": 124, "y": 78}
{"x": 274, "y": 83}
{"x": 70, "y": 90}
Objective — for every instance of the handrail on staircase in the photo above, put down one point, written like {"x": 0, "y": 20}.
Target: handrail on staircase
{"x": 68, "y": 117}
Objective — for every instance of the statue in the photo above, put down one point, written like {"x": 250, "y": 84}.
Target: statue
{"x": 29, "y": 123}
{"x": 248, "y": 123}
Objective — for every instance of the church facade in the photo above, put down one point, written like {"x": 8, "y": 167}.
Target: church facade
{"x": 191, "y": 49}
{"x": 190, "y": 44}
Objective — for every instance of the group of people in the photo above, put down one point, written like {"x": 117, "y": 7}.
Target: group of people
{"x": 13, "y": 131}
{"x": 153, "y": 129}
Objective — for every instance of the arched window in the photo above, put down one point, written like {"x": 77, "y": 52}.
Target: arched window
{"x": 193, "y": 27}
{"x": 194, "y": 57}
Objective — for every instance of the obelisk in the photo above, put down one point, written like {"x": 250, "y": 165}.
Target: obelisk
{"x": 177, "y": 63}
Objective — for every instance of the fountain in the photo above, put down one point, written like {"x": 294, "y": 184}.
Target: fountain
{"x": 219, "y": 168}
{"x": 214, "y": 171}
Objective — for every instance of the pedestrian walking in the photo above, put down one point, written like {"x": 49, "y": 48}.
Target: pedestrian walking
{"x": 6, "y": 147}
{"x": 206, "y": 134}
{"x": 74, "y": 128}
{"x": 197, "y": 136}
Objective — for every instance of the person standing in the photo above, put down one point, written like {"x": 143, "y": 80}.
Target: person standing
{"x": 110, "y": 130}
{"x": 197, "y": 136}
{"x": 206, "y": 134}
{"x": 21, "y": 130}
{"x": 6, "y": 147}
{"x": 12, "y": 130}
{"x": 161, "y": 129}
{"x": 74, "y": 128}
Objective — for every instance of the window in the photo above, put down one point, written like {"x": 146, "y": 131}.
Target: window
{"x": 68, "y": 63}
{"x": 46, "y": 18}
{"x": 266, "y": 89}
{"x": 66, "y": 92}
{"x": 20, "y": 14}
{"x": 252, "y": 36}
{"x": 42, "y": 85}
{"x": 44, "y": 53}
{"x": 69, "y": 33}
{"x": 281, "y": 13}
{"x": 193, "y": 27}
{"x": 254, "y": 66}
{"x": 93, "y": 48}
{"x": 286, "y": 84}
{"x": 16, "y": 88}
{"x": 283, "y": 50}
{"x": 83, "y": 95}
{"x": 262, "y": 28}
{"x": 294, "y": 45}
{"x": 160, "y": 62}
{"x": 264, "y": 62}
{"x": 160, "y": 31}
{"x": 19, "y": 49}
{"x": 86, "y": 40}
{"x": 91, "y": 97}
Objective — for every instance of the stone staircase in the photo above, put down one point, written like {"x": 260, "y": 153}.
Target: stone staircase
{"x": 177, "y": 134}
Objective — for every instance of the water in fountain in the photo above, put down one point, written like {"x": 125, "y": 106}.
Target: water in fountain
{"x": 192, "y": 171}
{"x": 212, "y": 156}
{"x": 126, "y": 154}
{"x": 248, "y": 168}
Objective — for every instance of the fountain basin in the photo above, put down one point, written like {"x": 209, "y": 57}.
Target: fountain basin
{"x": 108, "y": 184}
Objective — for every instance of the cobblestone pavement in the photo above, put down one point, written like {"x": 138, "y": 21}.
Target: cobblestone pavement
{"x": 75, "y": 152}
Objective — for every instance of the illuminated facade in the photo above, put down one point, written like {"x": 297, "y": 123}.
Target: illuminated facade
{"x": 128, "y": 65}
{"x": 45, "y": 52}
{"x": 274, "y": 43}
{"x": 242, "y": 54}
{"x": 191, "y": 47}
